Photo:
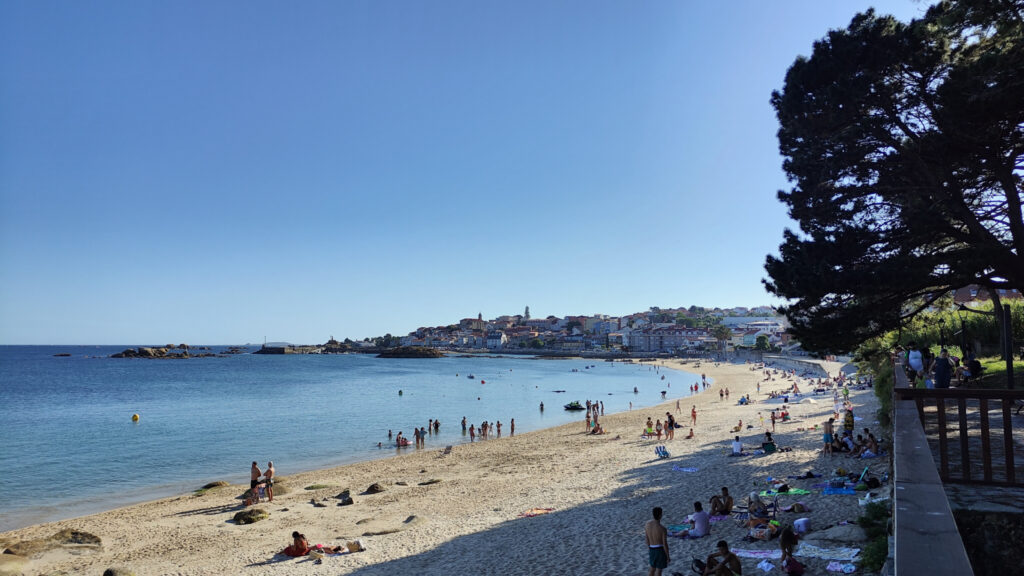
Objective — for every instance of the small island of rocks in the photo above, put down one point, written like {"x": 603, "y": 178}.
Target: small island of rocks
{"x": 411, "y": 352}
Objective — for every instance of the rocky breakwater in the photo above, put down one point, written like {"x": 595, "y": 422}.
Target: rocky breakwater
{"x": 411, "y": 352}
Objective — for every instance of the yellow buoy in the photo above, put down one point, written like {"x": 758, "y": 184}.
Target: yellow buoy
{"x": 135, "y": 417}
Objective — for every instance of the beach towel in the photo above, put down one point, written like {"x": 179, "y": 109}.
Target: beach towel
{"x": 838, "y": 567}
{"x": 764, "y": 554}
{"x": 766, "y": 565}
{"x": 535, "y": 512}
{"x": 833, "y": 491}
{"x": 714, "y": 519}
{"x": 806, "y": 550}
{"x": 679, "y": 468}
{"x": 793, "y": 491}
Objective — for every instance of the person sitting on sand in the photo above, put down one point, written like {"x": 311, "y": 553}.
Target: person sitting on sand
{"x": 723, "y": 562}
{"x": 737, "y": 447}
{"x": 868, "y": 450}
{"x": 690, "y": 435}
{"x": 701, "y": 522}
{"x": 721, "y": 505}
{"x": 758, "y": 510}
{"x": 738, "y": 427}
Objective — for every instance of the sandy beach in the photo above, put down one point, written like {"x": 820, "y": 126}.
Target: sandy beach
{"x": 601, "y": 490}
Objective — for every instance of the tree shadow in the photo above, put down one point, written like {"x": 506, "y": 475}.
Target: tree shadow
{"x": 606, "y": 536}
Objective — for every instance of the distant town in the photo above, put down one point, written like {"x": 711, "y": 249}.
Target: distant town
{"x": 657, "y": 331}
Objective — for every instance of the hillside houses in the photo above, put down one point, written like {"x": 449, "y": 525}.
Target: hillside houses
{"x": 655, "y": 331}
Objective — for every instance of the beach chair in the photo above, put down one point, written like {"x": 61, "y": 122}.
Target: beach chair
{"x": 661, "y": 451}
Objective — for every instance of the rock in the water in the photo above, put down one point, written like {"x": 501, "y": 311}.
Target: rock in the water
{"x": 118, "y": 572}
{"x": 251, "y": 516}
{"x": 12, "y": 564}
{"x": 375, "y": 489}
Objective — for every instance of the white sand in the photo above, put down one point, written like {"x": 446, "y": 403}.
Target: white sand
{"x": 602, "y": 490}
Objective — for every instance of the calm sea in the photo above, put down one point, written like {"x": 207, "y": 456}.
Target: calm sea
{"x": 68, "y": 446}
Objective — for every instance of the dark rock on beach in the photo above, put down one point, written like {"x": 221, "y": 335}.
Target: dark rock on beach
{"x": 375, "y": 489}
{"x": 251, "y": 516}
{"x": 118, "y": 572}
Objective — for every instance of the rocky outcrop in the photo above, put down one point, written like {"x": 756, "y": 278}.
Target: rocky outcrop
{"x": 411, "y": 352}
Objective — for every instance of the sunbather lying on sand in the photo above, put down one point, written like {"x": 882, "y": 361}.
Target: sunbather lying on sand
{"x": 300, "y": 547}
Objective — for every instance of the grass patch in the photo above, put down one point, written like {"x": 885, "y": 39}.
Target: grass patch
{"x": 317, "y": 486}
{"x": 994, "y": 374}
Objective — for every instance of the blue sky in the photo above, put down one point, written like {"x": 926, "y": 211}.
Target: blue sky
{"x": 223, "y": 172}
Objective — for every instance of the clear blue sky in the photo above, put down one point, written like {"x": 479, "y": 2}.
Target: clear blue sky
{"x": 217, "y": 172}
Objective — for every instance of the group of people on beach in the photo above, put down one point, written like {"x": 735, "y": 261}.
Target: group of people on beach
{"x": 266, "y": 482}
{"x": 721, "y": 562}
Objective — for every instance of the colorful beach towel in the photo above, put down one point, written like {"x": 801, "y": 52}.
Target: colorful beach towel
{"x": 806, "y": 550}
{"x": 769, "y": 554}
{"x": 714, "y": 519}
{"x": 535, "y": 512}
{"x": 832, "y": 491}
{"x": 793, "y": 491}
{"x": 844, "y": 568}
{"x": 679, "y": 468}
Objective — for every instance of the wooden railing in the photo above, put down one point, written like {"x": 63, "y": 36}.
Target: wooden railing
{"x": 970, "y": 449}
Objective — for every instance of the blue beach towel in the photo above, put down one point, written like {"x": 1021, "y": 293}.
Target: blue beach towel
{"x": 832, "y": 491}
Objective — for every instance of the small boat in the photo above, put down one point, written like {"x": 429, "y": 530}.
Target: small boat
{"x": 575, "y": 405}
{"x": 471, "y": 377}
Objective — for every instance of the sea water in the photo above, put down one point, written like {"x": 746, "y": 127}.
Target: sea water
{"x": 69, "y": 447}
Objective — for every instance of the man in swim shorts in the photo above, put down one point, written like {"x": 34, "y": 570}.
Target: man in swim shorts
{"x": 254, "y": 476}
{"x": 826, "y": 437}
{"x": 269, "y": 479}
{"x": 657, "y": 544}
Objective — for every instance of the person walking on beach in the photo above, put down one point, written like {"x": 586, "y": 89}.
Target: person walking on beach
{"x": 512, "y": 427}
{"x": 678, "y": 408}
{"x": 657, "y": 544}
{"x": 773, "y": 420}
{"x": 721, "y": 395}
{"x": 269, "y": 479}
{"x": 693, "y": 415}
